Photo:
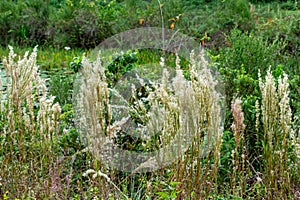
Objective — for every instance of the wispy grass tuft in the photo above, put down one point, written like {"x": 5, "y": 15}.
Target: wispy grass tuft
{"x": 30, "y": 126}
{"x": 279, "y": 136}
{"x": 185, "y": 112}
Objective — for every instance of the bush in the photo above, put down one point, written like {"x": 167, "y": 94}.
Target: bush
{"x": 61, "y": 86}
{"x": 58, "y": 23}
{"x": 235, "y": 13}
{"x": 243, "y": 58}
{"x": 8, "y": 17}
{"x": 250, "y": 52}
{"x": 83, "y": 25}
{"x": 18, "y": 19}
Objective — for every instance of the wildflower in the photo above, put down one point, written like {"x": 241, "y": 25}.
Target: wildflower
{"x": 172, "y": 25}
{"x": 141, "y": 21}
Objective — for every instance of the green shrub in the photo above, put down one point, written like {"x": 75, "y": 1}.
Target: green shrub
{"x": 61, "y": 85}
{"x": 250, "y": 52}
{"x": 235, "y": 13}
{"x": 77, "y": 27}
{"x": 8, "y": 17}
{"x": 279, "y": 23}
{"x": 59, "y": 23}
{"x": 24, "y": 22}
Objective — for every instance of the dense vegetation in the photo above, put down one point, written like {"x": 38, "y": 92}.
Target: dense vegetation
{"x": 255, "y": 45}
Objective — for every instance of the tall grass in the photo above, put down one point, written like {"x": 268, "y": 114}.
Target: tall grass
{"x": 278, "y": 138}
{"x": 239, "y": 154}
{"x": 29, "y": 127}
{"x": 176, "y": 109}
{"x": 180, "y": 110}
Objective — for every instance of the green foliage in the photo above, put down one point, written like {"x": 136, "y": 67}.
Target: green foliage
{"x": 76, "y": 27}
{"x": 18, "y": 19}
{"x": 294, "y": 81}
{"x": 121, "y": 64}
{"x": 227, "y": 148}
{"x": 58, "y": 23}
{"x": 69, "y": 141}
{"x": 76, "y": 64}
{"x": 8, "y": 15}
{"x": 290, "y": 5}
{"x": 237, "y": 9}
{"x": 197, "y": 2}
{"x": 61, "y": 85}
{"x": 268, "y": 1}
{"x": 215, "y": 17}
{"x": 81, "y": 24}
{"x": 250, "y": 53}
{"x": 284, "y": 24}
{"x": 234, "y": 13}
{"x": 169, "y": 190}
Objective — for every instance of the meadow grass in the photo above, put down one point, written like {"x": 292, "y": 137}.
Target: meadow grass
{"x": 36, "y": 156}
{"x": 49, "y": 58}
{"x": 258, "y": 157}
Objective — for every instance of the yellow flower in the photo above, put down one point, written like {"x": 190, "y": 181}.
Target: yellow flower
{"x": 172, "y": 25}
{"x": 141, "y": 21}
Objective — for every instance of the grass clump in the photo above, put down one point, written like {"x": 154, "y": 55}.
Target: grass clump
{"x": 177, "y": 112}
{"x": 41, "y": 148}
{"x": 29, "y": 131}
{"x": 278, "y": 137}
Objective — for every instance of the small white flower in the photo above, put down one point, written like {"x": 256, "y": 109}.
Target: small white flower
{"x": 67, "y": 48}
